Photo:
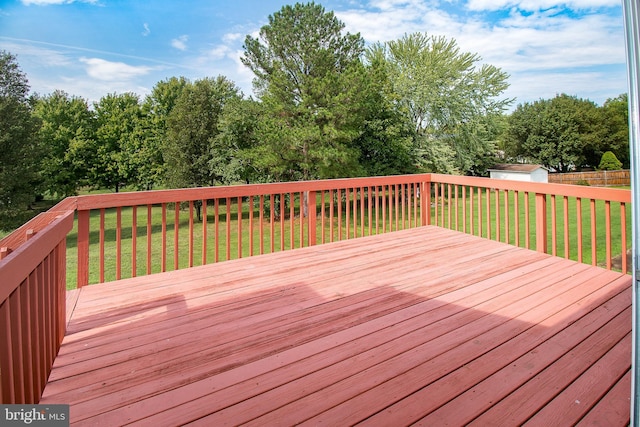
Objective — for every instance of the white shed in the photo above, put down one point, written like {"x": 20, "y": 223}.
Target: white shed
{"x": 520, "y": 172}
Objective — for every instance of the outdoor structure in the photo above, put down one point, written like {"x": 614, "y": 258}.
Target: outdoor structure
{"x": 520, "y": 172}
{"x": 392, "y": 300}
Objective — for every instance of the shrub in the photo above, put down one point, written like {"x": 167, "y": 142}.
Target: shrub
{"x": 609, "y": 162}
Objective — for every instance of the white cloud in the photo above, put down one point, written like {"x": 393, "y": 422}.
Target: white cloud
{"x": 180, "y": 43}
{"x": 232, "y": 37}
{"x": 113, "y": 71}
{"x": 219, "y": 52}
{"x": 541, "y": 44}
{"x": 147, "y": 30}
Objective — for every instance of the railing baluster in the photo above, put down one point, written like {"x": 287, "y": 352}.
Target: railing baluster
{"x": 507, "y": 231}
{"x": 102, "y": 243}
{"x": 607, "y": 226}
{"x": 176, "y": 239}
{"x": 331, "y": 211}
{"x": 594, "y": 253}
{"x": 554, "y": 227}
{"x": 347, "y": 212}
{"x": 204, "y": 231}
{"x": 527, "y": 227}
{"x": 291, "y": 221}
{"x": 498, "y": 222}
{"x": 362, "y": 211}
{"x": 149, "y": 235}
{"x": 191, "y": 227}
{"x": 623, "y": 236}
{"x": 262, "y": 224}
{"x": 163, "y": 261}
{"x": 370, "y": 208}
{"x": 282, "y": 203}
{"x": 303, "y": 206}
{"x": 228, "y": 228}
{"x": 565, "y": 218}
{"x": 488, "y": 203}
{"x": 251, "y": 231}
{"x": 541, "y": 222}
{"x": 579, "y": 227}
{"x": 134, "y": 240}
{"x": 216, "y": 229}
{"x": 239, "y": 220}
{"x": 516, "y": 216}
{"x": 118, "y": 243}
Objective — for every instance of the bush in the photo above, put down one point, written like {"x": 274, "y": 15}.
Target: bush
{"x": 609, "y": 162}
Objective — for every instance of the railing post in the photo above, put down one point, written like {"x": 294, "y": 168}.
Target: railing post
{"x": 425, "y": 202}
{"x": 311, "y": 209}
{"x": 83, "y": 248}
{"x": 541, "y": 222}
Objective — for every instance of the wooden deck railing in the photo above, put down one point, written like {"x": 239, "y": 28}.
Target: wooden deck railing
{"x": 586, "y": 224}
{"x": 128, "y": 234}
{"x": 32, "y": 304}
{"x": 156, "y": 231}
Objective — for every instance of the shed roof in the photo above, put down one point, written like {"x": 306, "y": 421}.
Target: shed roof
{"x": 516, "y": 167}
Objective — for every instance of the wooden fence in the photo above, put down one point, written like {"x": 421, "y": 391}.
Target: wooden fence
{"x": 596, "y": 178}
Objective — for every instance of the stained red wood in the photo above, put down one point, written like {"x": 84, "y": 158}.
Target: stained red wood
{"x": 425, "y": 325}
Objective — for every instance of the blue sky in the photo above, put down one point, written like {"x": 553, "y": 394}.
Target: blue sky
{"x": 90, "y": 48}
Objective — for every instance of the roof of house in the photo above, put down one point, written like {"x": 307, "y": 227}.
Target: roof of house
{"x": 518, "y": 167}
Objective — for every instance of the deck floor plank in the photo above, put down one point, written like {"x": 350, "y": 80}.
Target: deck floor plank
{"x": 389, "y": 329}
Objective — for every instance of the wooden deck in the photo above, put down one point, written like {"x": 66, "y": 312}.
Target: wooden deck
{"x": 425, "y": 326}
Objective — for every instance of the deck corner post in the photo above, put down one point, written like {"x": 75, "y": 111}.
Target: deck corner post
{"x": 311, "y": 209}
{"x": 541, "y": 222}
{"x": 83, "y": 248}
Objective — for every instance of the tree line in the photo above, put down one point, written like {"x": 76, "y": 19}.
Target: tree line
{"x": 326, "y": 106}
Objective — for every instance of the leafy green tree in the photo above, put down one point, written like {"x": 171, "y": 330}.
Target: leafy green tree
{"x": 386, "y": 141}
{"x": 156, "y": 109}
{"x": 192, "y": 128}
{"x": 67, "y": 124}
{"x": 609, "y": 162}
{"x": 448, "y": 98}
{"x": 309, "y": 76}
{"x": 615, "y": 112}
{"x": 562, "y": 133}
{"x": 118, "y": 121}
{"x": 234, "y": 158}
{"x": 19, "y": 151}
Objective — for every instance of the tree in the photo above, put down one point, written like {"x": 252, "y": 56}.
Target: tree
{"x": 386, "y": 140}
{"x": 448, "y": 98}
{"x": 309, "y": 76}
{"x": 19, "y": 153}
{"x": 118, "y": 121}
{"x": 615, "y": 116}
{"x": 67, "y": 125}
{"x": 609, "y": 162}
{"x": 233, "y": 155}
{"x": 192, "y": 128}
{"x": 562, "y": 133}
{"x": 156, "y": 109}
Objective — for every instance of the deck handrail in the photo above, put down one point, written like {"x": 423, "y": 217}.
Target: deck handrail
{"x": 263, "y": 218}
{"x": 501, "y": 199}
{"x": 32, "y": 307}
